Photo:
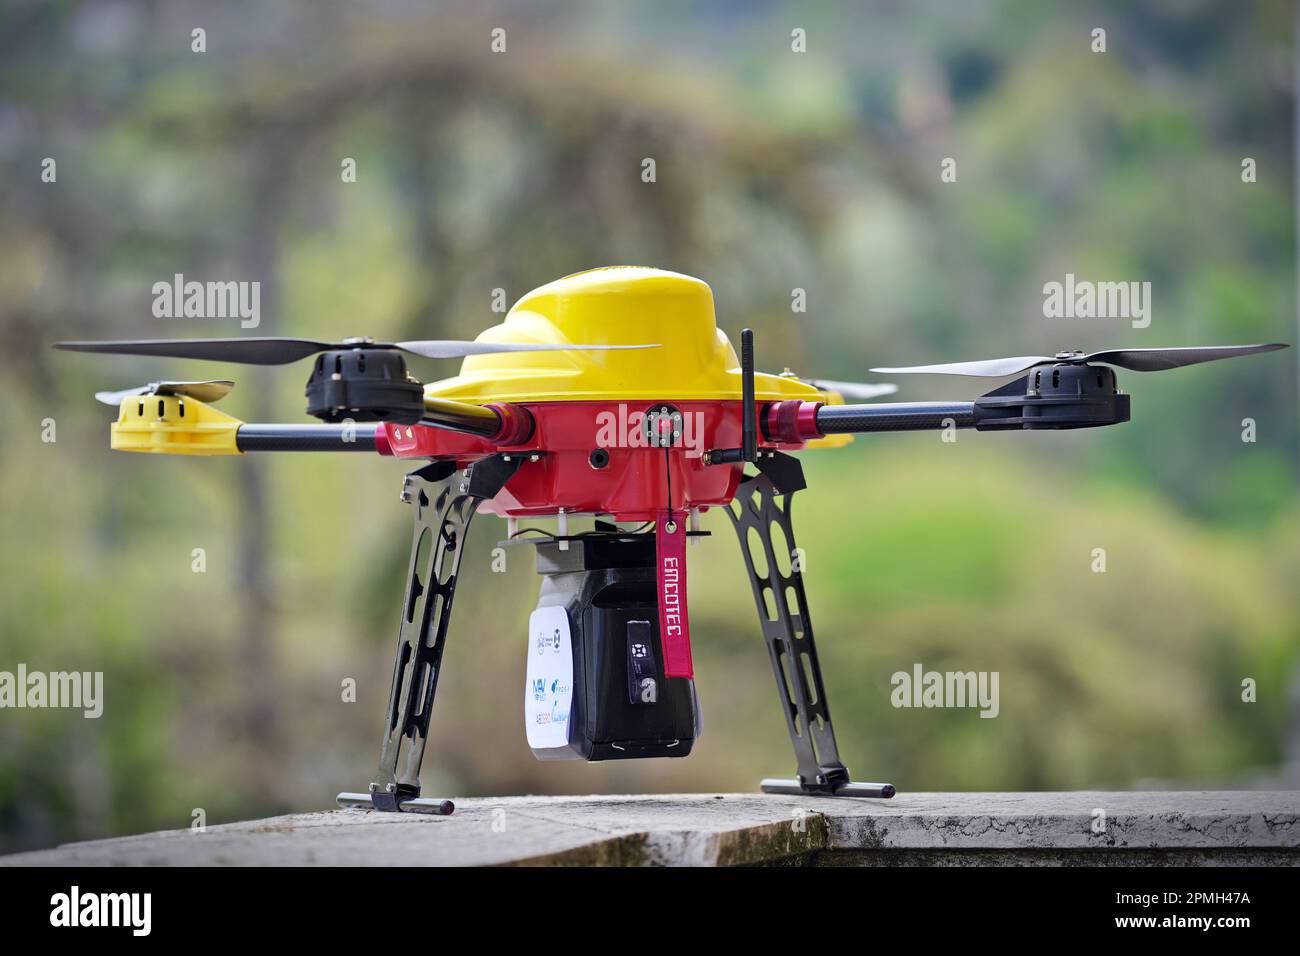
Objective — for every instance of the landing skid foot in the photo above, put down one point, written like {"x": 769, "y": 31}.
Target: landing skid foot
{"x": 795, "y": 787}
{"x": 427, "y": 805}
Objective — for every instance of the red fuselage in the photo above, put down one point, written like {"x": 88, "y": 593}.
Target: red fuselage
{"x": 633, "y": 484}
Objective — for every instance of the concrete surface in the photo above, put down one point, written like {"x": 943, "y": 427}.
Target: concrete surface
{"x": 944, "y": 829}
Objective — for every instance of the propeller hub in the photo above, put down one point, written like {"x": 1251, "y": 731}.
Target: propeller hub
{"x": 1072, "y": 355}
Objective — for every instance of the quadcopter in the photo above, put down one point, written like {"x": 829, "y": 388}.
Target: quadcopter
{"x": 610, "y": 393}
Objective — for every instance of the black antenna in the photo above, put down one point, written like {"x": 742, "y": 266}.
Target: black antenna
{"x": 748, "y": 450}
{"x": 749, "y": 439}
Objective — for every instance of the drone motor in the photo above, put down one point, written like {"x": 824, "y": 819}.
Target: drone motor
{"x": 1065, "y": 395}
{"x": 364, "y": 385}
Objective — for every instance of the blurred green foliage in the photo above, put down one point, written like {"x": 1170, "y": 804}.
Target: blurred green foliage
{"x": 776, "y": 170}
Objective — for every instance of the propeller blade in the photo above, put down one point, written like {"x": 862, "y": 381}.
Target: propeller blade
{"x": 435, "y": 348}
{"x": 1155, "y": 360}
{"x": 989, "y": 368}
{"x": 1137, "y": 360}
{"x": 115, "y": 398}
{"x": 210, "y": 391}
{"x": 852, "y": 391}
{"x": 282, "y": 351}
{"x": 249, "y": 351}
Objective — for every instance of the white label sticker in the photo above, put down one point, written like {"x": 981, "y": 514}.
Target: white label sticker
{"x": 548, "y": 691}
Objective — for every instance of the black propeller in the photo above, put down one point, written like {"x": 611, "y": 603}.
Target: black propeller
{"x": 282, "y": 351}
{"x": 1137, "y": 360}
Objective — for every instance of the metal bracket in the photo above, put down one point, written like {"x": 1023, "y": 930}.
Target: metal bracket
{"x": 787, "y": 630}
{"x": 784, "y": 471}
{"x": 445, "y": 500}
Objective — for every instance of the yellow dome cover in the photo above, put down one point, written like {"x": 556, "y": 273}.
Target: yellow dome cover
{"x": 616, "y": 305}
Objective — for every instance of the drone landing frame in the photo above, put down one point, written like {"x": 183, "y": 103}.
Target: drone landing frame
{"x": 445, "y": 501}
{"x": 787, "y": 630}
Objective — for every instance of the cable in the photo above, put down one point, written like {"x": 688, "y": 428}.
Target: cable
{"x": 640, "y": 529}
{"x": 669, "y": 472}
{"x": 541, "y": 531}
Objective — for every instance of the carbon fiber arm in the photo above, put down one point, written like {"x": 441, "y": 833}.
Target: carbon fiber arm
{"x": 306, "y": 438}
{"x": 894, "y": 417}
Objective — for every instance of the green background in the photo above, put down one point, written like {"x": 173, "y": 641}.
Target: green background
{"x": 775, "y": 170}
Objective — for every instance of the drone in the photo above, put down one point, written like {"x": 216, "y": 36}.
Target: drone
{"x": 611, "y": 393}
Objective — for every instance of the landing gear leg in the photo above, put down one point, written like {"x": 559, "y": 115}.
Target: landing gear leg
{"x": 445, "y": 500}
{"x": 764, "y": 502}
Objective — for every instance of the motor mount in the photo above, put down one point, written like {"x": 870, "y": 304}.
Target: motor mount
{"x": 1064, "y": 395}
{"x": 364, "y": 385}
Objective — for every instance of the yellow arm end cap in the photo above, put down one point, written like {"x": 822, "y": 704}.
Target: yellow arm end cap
{"x": 173, "y": 425}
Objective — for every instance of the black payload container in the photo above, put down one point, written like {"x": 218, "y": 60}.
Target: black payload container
{"x": 595, "y": 688}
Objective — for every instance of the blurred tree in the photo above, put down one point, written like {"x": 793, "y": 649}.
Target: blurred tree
{"x": 776, "y": 170}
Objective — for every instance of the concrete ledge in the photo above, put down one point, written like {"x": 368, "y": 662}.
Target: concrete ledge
{"x": 943, "y": 829}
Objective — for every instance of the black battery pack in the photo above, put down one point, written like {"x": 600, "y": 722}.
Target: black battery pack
{"x": 595, "y": 683}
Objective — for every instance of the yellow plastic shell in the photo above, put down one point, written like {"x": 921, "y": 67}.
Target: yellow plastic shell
{"x": 618, "y": 305}
{"x": 173, "y": 425}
